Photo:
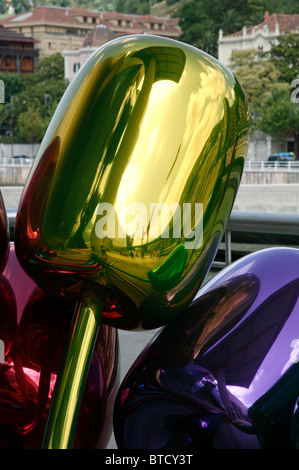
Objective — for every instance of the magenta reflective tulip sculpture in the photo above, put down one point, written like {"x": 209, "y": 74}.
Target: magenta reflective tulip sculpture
{"x": 33, "y": 328}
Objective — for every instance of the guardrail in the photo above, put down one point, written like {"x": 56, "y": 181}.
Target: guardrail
{"x": 18, "y": 162}
{"x": 280, "y": 226}
{"x": 271, "y": 166}
{"x": 249, "y": 165}
{"x": 247, "y": 223}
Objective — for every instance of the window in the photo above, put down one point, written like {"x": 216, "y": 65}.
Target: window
{"x": 128, "y": 23}
{"x": 76, "y": 66}
{"x": 72, "y": 31}
{"x": 94, "y": 20}
{"x": 119, "y": 22}
{"x": 85, "y": 19}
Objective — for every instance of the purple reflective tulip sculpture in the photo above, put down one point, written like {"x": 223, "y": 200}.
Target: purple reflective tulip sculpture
{"x": 33, "y": 327}
{"x": 225, "y": 375}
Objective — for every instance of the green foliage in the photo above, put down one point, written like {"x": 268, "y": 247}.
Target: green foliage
{"x": 142, "y": 7}
{"x": 284, "y": 56}
{"x": 31, "y": 125}
{"x": 36, "y": 97}
{"x": 21, "y": 5}
{"x": 201, "y": 23}
{"x": 270, "y": 100}
{"x": 279, "y": 115}
{"x": 13, "y": 83}
{"x": 257, "y": 77}
{"x": 3, "y": 7}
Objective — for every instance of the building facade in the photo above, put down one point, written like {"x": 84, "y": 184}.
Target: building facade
{"x": 260, "y": 37}
{"x": 17, "y": 52}
{"x": 59, "y": 29}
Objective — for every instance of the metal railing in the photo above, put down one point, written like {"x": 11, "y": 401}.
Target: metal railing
{"x": 259, "y": 228}
{"x": 18, "y": 51}
{"x": 249, "y": 165}
{"x": 272, "y": 166}
{"x": 283, "y": 229}
{"x": 19, "y": 162}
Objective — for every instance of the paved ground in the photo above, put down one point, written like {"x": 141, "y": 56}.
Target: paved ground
{"x": 131, "y": 345}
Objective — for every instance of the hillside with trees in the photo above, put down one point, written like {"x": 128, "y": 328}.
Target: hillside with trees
{"x": 267, "y": 81}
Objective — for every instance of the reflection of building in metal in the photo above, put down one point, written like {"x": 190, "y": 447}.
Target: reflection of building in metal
{"x": 59, "y": 29}
{"x": 17, "y": 53}
{"x": 259, "y": 37}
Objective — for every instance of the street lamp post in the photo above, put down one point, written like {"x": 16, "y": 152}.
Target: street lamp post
{"x": 12, "y": 98}
{"x": 47, "y": 99}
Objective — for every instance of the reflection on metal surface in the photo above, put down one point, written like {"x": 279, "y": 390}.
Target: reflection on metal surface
{"x": 223, "y": 375}
{"x": 34, "y": 327}
{"x": 146, "y": 120}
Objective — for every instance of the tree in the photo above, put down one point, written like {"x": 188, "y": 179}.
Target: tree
{"x": 31, "y": 125}
{"x": 280, "y": 116}
{"x": 257, "y": 76}
{"x": 284, "y": 55}
{"x": 200, "y": 22}
{"x": 45, "y": 87}
{"x": 3, "y": 7}
{"x": 273, "y": 110}
{"x": 13, "y": 84}
{"x": 21, "y": 5}
{"x": 38, "y": 93}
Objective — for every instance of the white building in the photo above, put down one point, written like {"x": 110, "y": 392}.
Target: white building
{"x": 74, "y": 59}
{"x": 258, "y": 37}
{"x": 112, "y": 25}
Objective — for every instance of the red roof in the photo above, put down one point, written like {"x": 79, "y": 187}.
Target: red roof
{"x": 8, "y": 35}
{"x": 285, "y": 22}
{"x": 68, "y": 15}
{"x": 98, "y": 36}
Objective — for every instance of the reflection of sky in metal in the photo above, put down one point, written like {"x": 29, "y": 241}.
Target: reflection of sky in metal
{"x": 281, "y": 354}
{"x": 194, "y": 119}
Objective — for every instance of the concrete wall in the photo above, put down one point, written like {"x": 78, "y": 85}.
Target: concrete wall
{"x": 8, "y": 150}
{"x": 11, "y": 196}
{"x": 251, "y": 197}
{"x": 262, "y": 145}
{"x": 13, "y": 175}
{"x": 270, "y": 177}
{"x": 282, "y": 198}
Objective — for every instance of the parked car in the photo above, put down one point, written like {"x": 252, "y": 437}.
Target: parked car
{"x": 281, "y": 157}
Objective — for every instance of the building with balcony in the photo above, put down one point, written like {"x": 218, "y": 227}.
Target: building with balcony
{"x": 59, "y": 29}
{"x": 17, "y": 52}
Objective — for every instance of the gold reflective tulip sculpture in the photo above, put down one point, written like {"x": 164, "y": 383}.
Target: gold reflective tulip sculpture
{"x": 129, "y": 195}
